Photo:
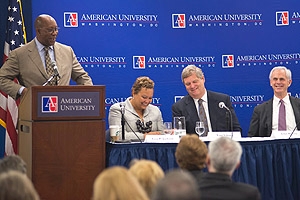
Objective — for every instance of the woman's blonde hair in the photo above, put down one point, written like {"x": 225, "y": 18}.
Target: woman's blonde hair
{"x": 148, "y": 173}
{"x": 117, "y": 183}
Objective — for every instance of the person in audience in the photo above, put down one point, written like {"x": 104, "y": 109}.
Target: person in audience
{"x": 148, "y": 173}
{"x": 191, "y": 155}
{"x": 13, "y": 162}
{"x": 117, "y": 183}
{"x": 141, "y": 117}
{"x": 223, "y": 158}
{"x": 15, "y": 185}
{"x": 176, "y": 185}
{"x": 28, "y": 63}
{"x": 190, "y": 106}
{"x": 266, "y": 116}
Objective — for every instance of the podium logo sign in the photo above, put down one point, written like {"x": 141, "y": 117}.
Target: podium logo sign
{"x": 49, "y": 104}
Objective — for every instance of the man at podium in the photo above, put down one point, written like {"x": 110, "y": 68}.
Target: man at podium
{"x": 42, "y": 61}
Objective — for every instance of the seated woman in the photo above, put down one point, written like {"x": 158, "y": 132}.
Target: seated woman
{"x": 141, "y": 117}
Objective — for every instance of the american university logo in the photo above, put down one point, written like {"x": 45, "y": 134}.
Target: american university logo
{"x": 227, "y": 61}
{"x": 49, "y": 104}
{"x": 70, "y": 19}
{"x": 139, "y": 62}
{"x": 282, "y": 18}
{"x": 178, "y": 20}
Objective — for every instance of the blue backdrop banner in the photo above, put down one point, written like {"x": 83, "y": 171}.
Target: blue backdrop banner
{"x": 236, "y": 44}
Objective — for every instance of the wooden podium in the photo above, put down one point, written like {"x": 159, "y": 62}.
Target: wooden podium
{"x": 62, "y": 139}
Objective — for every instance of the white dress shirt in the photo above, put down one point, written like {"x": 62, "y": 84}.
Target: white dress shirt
{"x": 290, "y": 117}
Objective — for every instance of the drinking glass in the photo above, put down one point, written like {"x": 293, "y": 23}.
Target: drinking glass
{"x": 199, "y": 128}
{"x": 168, "y": 128}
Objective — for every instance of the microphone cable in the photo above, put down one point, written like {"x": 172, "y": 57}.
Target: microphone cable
{"x": 133, "y": 132}
{"x": 222, "y": 105}
{"x": 294, "y": 130}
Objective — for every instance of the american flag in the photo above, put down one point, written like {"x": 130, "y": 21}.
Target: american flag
{"x": 15, "y": 37}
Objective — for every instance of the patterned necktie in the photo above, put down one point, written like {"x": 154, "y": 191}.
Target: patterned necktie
{"x": 281, "y": 117}
{"x": 202, "y": 116}
{"x": 49, "y": 68}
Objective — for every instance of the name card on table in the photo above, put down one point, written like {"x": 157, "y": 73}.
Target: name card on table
{"x": 235, "y": 135}
{"x": 285, "y": 134}
{"x": 162, "y": 139}
{"x": 180, "y": 132}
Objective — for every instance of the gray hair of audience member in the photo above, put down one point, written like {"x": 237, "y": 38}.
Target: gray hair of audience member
{"x": 13, "y": 162}
{"x": 190, "y": 70}
{"x": 176, "y": 185}
{"x": 288, "y": 72}
{"x": 224, "y": 154}
{"x": 15, "y": 185}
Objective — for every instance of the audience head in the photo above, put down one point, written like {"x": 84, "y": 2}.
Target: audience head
{"x": 193, "y": 80}
{"x": 176, "y": 185}
{"x": 46, "y": 29}
{"x": 13, "y": 162}
{"x": 280, "y": 79}
{"x": 148, "y": 173}
{"x": 142, "y": 92}
{"x": 224, "y": 155}
{"x": 117, "y": 183}
{"x": 191, "y": 153}
{"x": 16, "y": 186}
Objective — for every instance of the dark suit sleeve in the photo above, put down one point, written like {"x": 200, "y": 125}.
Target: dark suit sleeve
{"x": 176, "y": 111}
{"x": 254, "y": 124}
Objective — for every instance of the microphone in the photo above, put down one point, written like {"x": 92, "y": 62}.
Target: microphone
{"x": 294, "y": 130}
{"x": 55, "y": 69}
{"x": 222, "y": 105}
{"x": 122, "y": 106}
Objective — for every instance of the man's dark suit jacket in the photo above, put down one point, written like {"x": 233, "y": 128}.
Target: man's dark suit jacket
{"x": 219, "y": 117}
{"x": 216, "y": 186}
{"x": 261, "y": 121}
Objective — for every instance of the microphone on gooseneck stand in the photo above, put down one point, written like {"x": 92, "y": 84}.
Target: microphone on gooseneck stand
{"x": 122, "y": 107}
{"x": 55, "y": 75}
{"x": 222, "y": 105}
{"x": 50, "y": 79}
{"x": 294, "y": 130}
{"x": 55, "y": 69}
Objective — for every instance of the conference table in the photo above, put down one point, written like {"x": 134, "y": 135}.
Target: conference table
{"x": 271, "y": 165}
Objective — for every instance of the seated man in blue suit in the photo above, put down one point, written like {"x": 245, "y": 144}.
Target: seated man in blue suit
{"x": 218, "y": 117}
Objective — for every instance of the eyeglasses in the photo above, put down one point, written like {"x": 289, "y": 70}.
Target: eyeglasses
{"x": 52, "y": 30}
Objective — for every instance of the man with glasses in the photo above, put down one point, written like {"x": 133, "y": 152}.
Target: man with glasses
{"x": 33, "y": 63}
